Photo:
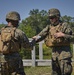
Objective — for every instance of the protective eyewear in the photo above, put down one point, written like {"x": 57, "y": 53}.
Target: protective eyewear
{"x": 52, "y": 17}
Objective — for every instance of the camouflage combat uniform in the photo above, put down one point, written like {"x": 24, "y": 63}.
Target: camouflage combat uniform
{"x": 61, "y": 54}
{"x": 61, "y": 51}
{"x": 12, "y": 61}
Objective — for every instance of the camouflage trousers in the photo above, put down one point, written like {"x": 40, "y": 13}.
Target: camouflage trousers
{"x": 11, "y": 65}
{"x": 61, "y": 67}
{"x": 61, "y": 60}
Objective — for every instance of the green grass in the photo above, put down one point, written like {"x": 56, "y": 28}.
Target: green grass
{"x": 39, "y": 71}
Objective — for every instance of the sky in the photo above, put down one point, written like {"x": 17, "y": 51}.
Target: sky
{"x": 23, "y": 7}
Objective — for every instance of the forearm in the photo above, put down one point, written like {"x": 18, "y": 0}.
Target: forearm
{"x": 43, "y": 34}
{"x": 71, "y": 37}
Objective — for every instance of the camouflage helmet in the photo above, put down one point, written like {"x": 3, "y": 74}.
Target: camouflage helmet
{"x": 13, "y": 15}
{"x": 54, "y": 12}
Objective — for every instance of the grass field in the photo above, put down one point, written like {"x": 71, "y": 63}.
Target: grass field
{"x": 39, "y": 71}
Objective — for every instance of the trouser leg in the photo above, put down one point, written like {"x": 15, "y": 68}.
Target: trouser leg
{"x": 55, "y": 68}
{"x": 66, "y": 67}
{"x": 4, "y": 69}
{"x": 19, "y": 69}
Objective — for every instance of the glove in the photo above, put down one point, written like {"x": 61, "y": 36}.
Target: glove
{"x": 33, "y": 42}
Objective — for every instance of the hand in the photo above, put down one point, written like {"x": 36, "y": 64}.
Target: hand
{"x": 59, "y": 34}
{"x": 36, "y": 37}
{"x": 33, "y": 42}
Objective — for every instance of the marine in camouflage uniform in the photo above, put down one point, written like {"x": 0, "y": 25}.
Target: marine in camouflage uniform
{"x": 61, "y": 51}
{"x": 11, "y": 63}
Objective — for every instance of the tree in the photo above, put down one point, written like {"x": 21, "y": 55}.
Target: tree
{"x": 69, "y": 20}
{"x": 28, "y": 30}
{"x": 37, "y": 20}
{"x": 2, "y": 25}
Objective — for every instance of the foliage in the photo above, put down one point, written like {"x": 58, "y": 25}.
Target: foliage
{"x": 2, "y": 25}
{"x": 69, "y": 20}
{"x": 37, "y": 20}
{"x": 25, "y": 53}
{"x": 46, "y": 52}
{"x": 28, "y": 30}
{"x": 66, "y": 18}
{"x": 40, "y": 70}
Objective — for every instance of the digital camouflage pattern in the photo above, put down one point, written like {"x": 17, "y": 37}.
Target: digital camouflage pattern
{"x": 61, "y": 51}
{"x": 11, "y": 63}
{"x": 61, "y": 60}
{"x": 50, "y": 40}
{"x": 13, "y": 16}
{"x": 54, "y": 12}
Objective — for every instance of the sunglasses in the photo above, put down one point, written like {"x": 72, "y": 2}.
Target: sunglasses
{"x": 52, "y": 17}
